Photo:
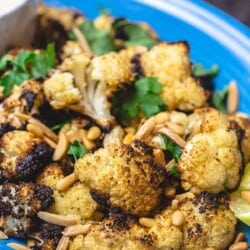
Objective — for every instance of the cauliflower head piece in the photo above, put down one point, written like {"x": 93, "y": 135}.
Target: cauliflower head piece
{"x": 211, "y": 160}
{"x": 124, "y": 176}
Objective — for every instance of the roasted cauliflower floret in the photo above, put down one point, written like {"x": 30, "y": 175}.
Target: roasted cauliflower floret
{"x": 111, "y": 70}
{"x": 170, "y": 64}
{"x": 116, "y": 232}
{"x": 208, "y": 222}
{"x": 75, "y": 200}
{"x": 22, "y": 156}
{"x": 60, "y": 90}
{"x": 70, "y": 48}
{"x": 104, "y": 22}
{"x": 124, "y": 176}
{"x": 211, "y": 160}
{"x": 20, "y": 204}
{"x": 26, "y": 98}
{"x": 243, "y": 127}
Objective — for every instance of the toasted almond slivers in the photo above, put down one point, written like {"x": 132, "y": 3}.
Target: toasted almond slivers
{"x": 176, "y": 128}
{"x": 170, "y": 163}
{"x": 50, "y": 142}
{"x": 47, "y": 131}
{"x": 210, "y": 248}
{"x": 239, "y": 246}
{"x": 129, "y": 130}
{"x": 174, "y": 204}
{"x": 17, "y": 246}
{"x": 35, "y": 130}
{"x": 239, "y": 237}
{"x": 75, "y": 230}
{"x": 188, "y": 195}
{"x": 57, "y": 219}
{"x": 63, "y": 243}
{"x": 128, "y": 139}
{"x": 173, "y": 136}
{"x": 61, "y": 148}
{"x": 82, "y": 41}
{"x": 3, "y": 236}
{"x": 31, "y": 242}
{"x": 159, "y": 157}
{"x": 147, "y": 222}
{"x": 233, "y": 98}
{"x": 161, "y": 118}
{"x": 145, "y": 129}
{"x": 87, "y": 143}
{"x": 178, "y": 218}
{"x": 66, "y": 182}
{"x": 94, "y": 133}
{"x": 245, "y": 195}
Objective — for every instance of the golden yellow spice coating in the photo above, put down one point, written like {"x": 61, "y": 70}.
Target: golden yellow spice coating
{"x": 112, "y": 70}
{"x": 124, "y": 176}
{"x": 60, "y": 90}
{"x": 211, "y": 160}
{"x": 208, "y": 222}
{"x": 70, "y": 48}
{"x": 76, "y": 200}
{"x": 170, "y": 64}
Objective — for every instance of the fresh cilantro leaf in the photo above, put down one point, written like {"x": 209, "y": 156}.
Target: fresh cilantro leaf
{"x": 57, "y": 127}
{"x": 173, "y": 170}
{"x": 219, "y": 99}
{"x": 100, "y": 41}
{"x": 134, "y": 34}
{"x": 198, "y": 70}
{"x": 77, "y": 150}
{"x": 26, "y": 65}
{"x": 143, "y": 97}
{"x": 173, "y": 148}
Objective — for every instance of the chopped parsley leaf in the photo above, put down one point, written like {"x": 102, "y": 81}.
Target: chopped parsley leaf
{"x": 199, "y": 70}
{"x": 77, "y": 150}
{"x": 57, "y": 127}
{"x": 173, "y": 148}
{"x": 219, "y": 99}
{"x": 26, "y": 65}
{"x": 143, "y": 97}
{"x": 173, "y": 170}
{"x": 100, "y": 41}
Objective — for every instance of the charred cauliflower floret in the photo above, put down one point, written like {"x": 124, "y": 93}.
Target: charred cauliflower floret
{"x": 116, "y": 232}
{"x": 26, "y": 98}
{"x": 208, "y": 222}
{"x": 48, "y": 235}
{"x": 111, "y": 70}
{"x": 22, "y": 156}
{"x": 60, "y": 90}
{"x": 124, "y": 176}
{"x": 211, "y": 160}
{"x": 242, "y": 124}
{"x": 170, "y": 64}
{"x": 75, "y": 200}
{"x": 19, "y": 205}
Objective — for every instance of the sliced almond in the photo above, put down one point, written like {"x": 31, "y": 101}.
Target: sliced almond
{"x": 182, "y": 196}
{"x": 174, "y": 204}
{"x": 50, "y": 142}
{"x": 159, "y": 157}
{"x": 175, "y": 128}
{"x": 3, "y": 236}
{"x": 239, "y": 237}
{"x": 173, "y": 136}
{"x": 75, "y": 230}
{"x": 61, "y": 148}
{"x": 35, "y": 130}
{"x": 239, "y": 246}
{"x": 178, "y": 218}
{"x": 233, "y": 98}
{"x": 147, "y": 222}
{"x": 66, "y": 182}
{"x": 47, "y": 131}
{"x": 170, "y": 163}
{"x": 145, "y": 129}
{"x": 63, "y": 243}
{"x": 57, "y": 219}
{"x": 17, "y": 246}
{"x": 82, "y": 41}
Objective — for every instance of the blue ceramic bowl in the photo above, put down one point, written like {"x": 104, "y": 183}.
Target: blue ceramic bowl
{"x": 214, "y": 38}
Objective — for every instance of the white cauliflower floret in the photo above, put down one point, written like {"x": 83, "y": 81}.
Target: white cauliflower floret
{"x": 111, "y": 70}
{"x": 170, "y": 64}
{"x": 70, "y": 48}
{"x": 211, "y": 160}
{"x": 60, "y": 90}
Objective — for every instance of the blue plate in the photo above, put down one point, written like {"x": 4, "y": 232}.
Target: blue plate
{"x": 214, "y": 38}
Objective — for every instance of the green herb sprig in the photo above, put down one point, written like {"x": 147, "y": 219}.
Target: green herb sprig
{"x": 26, "y": 65}
{"x": 219, "y": 99}
{"x": 77, "y": 150}
{"x": 198, "y": 70}
{"x": 143, "y": 97}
